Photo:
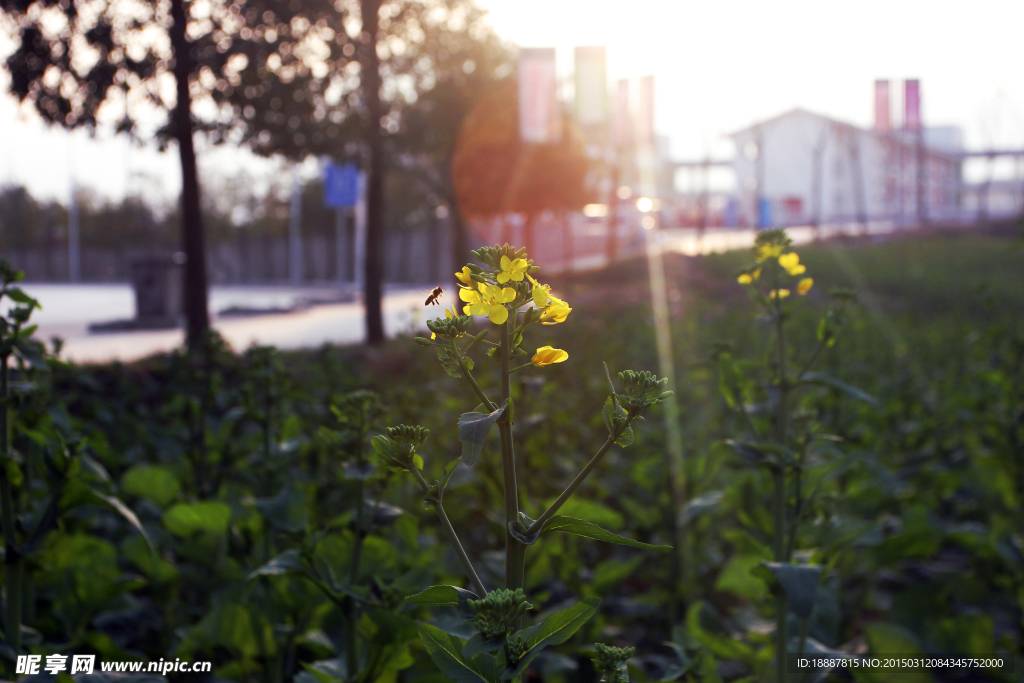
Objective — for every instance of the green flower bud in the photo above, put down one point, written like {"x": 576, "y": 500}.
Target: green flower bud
{"x": 643, "y": 389}
{"x": 611, "y": 662}
{"x": 423, "y": 341}
{"x": 497, "y": 611}
{"x": 515, "y": 648}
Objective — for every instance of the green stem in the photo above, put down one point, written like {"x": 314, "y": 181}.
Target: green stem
{"x": 779, "y": 497}
{"x": 453, "y": 538}
{"x": 476, "y": 387}
{"x": 12, "y": 555}
{"x": 515, "y": 552}
{"x": 520, "y": 367}
{"x": 351, "y": 656}
{"x": 575, "y": 484}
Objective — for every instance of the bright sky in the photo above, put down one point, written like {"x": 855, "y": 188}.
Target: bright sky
{"x": 719, "y": 65}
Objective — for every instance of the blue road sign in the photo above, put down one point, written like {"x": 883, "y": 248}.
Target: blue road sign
{"x": 341, "y": 186}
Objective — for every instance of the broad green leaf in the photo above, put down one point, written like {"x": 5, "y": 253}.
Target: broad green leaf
{"x": 480, "y": 645}
{"x": 702, "y": 624}
{"x": 153, "y": 566}
{"x": 288, "y": 561}
{"x": 441, "y": 596}
{"x": 799, "y": 582}
{"x": 286, "y": 511}
{"x": 185, "y": 519}
{"x": 830, "y": 381}
{"x": 473, "y": 428}
{"x": 736, "y": 578}
{"x": 152, "y": 482}
{"x": 446, "y": 651}
{"x": 554, "y": 630}
{"x": 580, "y": 527}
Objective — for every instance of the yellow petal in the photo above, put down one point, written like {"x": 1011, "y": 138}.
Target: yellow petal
{"x": 546, "y": 356}
{"x": 464, "y": 275}
{"x": 797, "y": 270}
{"x": 433, "y": 335}
{"x": 507, "y": 294}
{"x": 479, "y": 308}
{"x": 789, "y": 261}
{"x": 505, "y": 263}
{"x": 744, "y": 279}
{"x": 498, "y": 314}
{"x": 804, "y": 286}
{"x": 467, "y": 310}
{"x": 503, "y": 277}
{"x": 540, "y": 295}
{"x": 779, "y": 293}
{"x": 469, "y": 295}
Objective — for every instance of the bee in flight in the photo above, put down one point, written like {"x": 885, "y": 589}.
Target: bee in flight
{"x": 434, "y": 296}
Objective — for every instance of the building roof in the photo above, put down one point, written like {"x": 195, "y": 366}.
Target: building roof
{"x": 900, "y": 137}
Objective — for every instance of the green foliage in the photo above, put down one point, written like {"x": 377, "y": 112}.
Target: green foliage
{"x": 907, "y": 538}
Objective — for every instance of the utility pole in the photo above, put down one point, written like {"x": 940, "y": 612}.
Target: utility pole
{"x": 74, "y": 243}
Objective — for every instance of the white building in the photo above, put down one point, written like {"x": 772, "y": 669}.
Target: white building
{"x": 804, "y": 168}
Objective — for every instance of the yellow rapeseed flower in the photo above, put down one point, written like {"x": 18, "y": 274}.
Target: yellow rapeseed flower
{"x": 512, "y": 270}
{"x": 546, "y": 356}
{"x": 804, "y": 286}
{"x": 768, "y": 251}
{"x": 791, "y": 263}
{"x": 749, "y": 278}
{"x": 489, "y": 300}
{"x": 555, "y": 312}
{"x": 779, "y": 293}
{"x": 464, "y": 276}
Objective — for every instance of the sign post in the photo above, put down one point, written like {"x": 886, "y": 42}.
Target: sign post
{"x": 342, "y": 193}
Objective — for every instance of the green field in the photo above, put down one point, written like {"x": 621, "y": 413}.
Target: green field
{"x": 261, "y": 555}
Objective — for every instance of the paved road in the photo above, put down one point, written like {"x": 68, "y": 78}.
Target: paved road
{"x": 69, "y": 309}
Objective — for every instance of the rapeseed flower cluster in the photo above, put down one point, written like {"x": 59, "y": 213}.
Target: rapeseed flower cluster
{"x": 770, "y": 251}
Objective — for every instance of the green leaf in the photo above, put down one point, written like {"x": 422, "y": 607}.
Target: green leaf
{"x": 442, "y": 596}
{"x": 18, "y": 295}
{"x": 288, "y": 561}
{"x": 186, "y": 519}
{"x": 580, "y": 527}
{"x": 449, "y": 360}
{"x": 125, "y": 512}
{"x": 830, "y": 381}
{"x": 554, "y": 630}
{"x": 152, "y": 482}
{"x": 473, "y": 428}
{"x": 481, "y": 645}
{"x": 728, "y": 379}
{"x": 799, "y": 582}
{"x": 286, "y": 511}
{"x": 446, "y": 651}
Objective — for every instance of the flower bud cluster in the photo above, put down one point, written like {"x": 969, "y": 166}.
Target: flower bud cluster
{"x": 497, "y": 611}
{"x": 397, "y": 449}
{"x": 611, "y": 661}
{"x": 515, "y": 647}
{"x": 643, "y": 389}
{"x": 407, "y": 437}
{"x": 450, "y": 327}
{"x": 491, "y": 256}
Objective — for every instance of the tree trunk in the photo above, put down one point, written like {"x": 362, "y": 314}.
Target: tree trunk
{"x": 370, "y": 73}
{"x": 194, "y": 285}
